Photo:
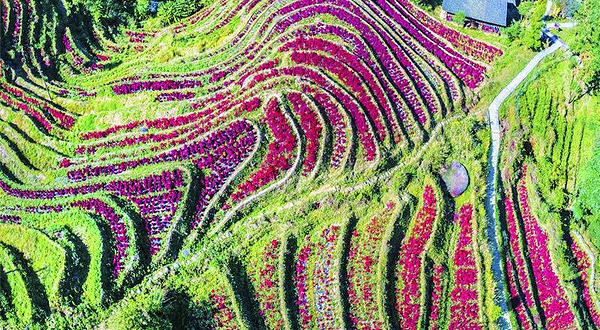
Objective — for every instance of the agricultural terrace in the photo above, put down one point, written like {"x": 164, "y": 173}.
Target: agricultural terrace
{"x": 284, "y": 164}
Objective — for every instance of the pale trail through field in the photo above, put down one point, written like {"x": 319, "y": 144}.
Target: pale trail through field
{"x": 492, "y": 170}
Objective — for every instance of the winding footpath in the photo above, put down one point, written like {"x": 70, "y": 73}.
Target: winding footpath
{"x": 492, "y": 170}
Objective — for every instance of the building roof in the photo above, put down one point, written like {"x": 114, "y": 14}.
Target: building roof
{"x": 488, "y": 11}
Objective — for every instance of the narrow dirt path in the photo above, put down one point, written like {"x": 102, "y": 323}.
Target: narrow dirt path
{"x": 492, "y": 171}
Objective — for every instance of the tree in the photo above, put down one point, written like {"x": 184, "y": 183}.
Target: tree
{"x": 141, "y": 9}
{"x": 142, "y": 312}
{"x": 109, "y": 13}
{"x": 588, "y": 185}
{"x": 175, "y": 10}
{"x": 460, "y": 18}
{"x": 532, "y": 24}
{"x": 587, "y": 201}
{"x": 513, "y": 31}
{"x": 587, "y": 43}
{"x": 570, "y": 7}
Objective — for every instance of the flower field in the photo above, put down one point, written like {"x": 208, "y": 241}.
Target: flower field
{"x": 410, "y": 263}
{"x": 552, "y": 298}
{"x": 263, "y": 165}
{"x": 465, "y": 308}
{"x": 316, "y": 301}
{"x": 362, "y": 271}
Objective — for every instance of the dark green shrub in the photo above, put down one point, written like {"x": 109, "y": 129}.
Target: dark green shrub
{"x": 172, "y": 11}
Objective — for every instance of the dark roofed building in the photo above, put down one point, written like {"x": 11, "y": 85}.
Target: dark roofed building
{"x": 493, "y": 12}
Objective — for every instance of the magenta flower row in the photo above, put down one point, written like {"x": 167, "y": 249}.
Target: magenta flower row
{"x": 279, "y": 156}
{"x": 436, "y": 297}
{"x": 223, "y": 138}
{"x": 464, "y": 297}
{"x": 552, "y": 297}
{"x": 362, "y": 279}
{"x": 311, "y": 126}
{"x": 410, "y": 262}
{"x": 224, "y": 316}
{"x": 584, "y": 267}
{"x": 324, "y": 278}
{"x": 266, "y": 283}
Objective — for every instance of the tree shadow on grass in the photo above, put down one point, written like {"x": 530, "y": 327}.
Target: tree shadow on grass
{"x": 36, "y": 291}
{"x": 244, "y": 294}
{"x": 184, "y": 314}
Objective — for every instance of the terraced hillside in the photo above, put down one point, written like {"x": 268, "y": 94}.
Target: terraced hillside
{"x": 264, "y": 165}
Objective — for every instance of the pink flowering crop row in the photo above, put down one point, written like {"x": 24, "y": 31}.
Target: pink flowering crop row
{"x": 77, "y": 60}
{"x": 9, "y": 219}
{"x": 436, "y": 297}
{"x": 180, "y": 134}
{"x": 29, "y": 110}
{"x": 362, "y": 278}
{"x": 158, "y": 85}
{"x": 522, "y": 274}
{"x": 174, "y": 96}
{"x": 464, "y": 297}
{"x": 75, "y": 92}
{"x": 157, "y": 212}
{"x": 138, "y": 37}
{"x": 159, "y": 123}
{"x": 271, "y": 64}
{"x": 324, "y": 279}
{"x": 219, "y": 166}
{"x": 65, "y": 120}
{"x": 278, "y": 158}
{"x": 552, "y": 296}
{"x": 584, "y": 267}
{"x": 518, "y": 304}
{"x": 234, "y": 133}
{"x": 265, "y": 278}
{"x": 117, "y": 227}
{"x": 126, "y": 188}
{"x": 177, "y": 130}
{"x": 301, "y": 284}
{"x": 316, "y": 311}
{"x": 5, "y": 20}
{"x": 410, "y": 263}
{"x": 312, "y": 128}
{"x": 224, "y": 316}
{"x": 514, "y": 235}
{"x": 18, "y": 14}
{"x": 474, "y": 48}
{"x": 339, "y": 128}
